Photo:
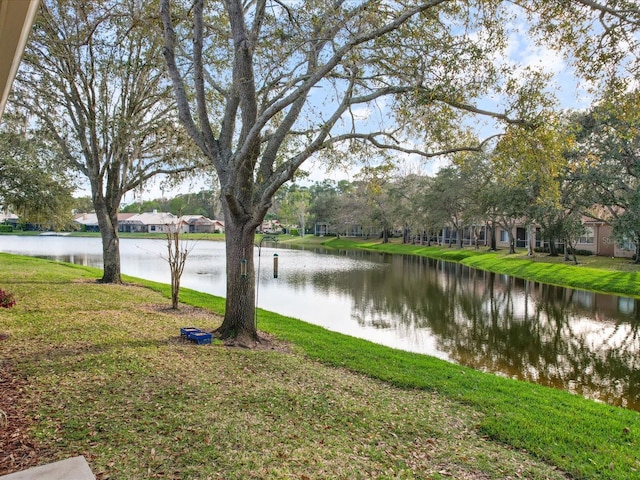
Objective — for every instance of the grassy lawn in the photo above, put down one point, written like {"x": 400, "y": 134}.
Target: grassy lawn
{"x": 102, "y": 372}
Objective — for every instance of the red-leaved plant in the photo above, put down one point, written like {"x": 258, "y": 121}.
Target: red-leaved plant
{"x": 7, "y": 300}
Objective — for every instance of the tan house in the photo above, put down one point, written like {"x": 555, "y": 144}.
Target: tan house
{"x": 149, "y": 222}
{"x": 7, "y": 218}
{"x": 597, "y": 239}
{"x": 201, "y": 224}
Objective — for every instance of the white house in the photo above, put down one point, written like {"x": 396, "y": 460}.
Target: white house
{"x": 149, "y": 222}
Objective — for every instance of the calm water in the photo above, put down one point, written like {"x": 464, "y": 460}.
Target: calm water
{"x": 579, "y": 341}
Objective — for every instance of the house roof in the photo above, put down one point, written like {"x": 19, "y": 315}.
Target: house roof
{"x": 8, "y": 216}
{"x": 86, "y": 219}
{"x": 152, "y": 218}
{"x": 16, "y": 19}
{"x": 92, "y": 218}
{"x": 196, "y": 220}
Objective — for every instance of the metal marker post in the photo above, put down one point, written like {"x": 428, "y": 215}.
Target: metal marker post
{"x": 275, "y": 271}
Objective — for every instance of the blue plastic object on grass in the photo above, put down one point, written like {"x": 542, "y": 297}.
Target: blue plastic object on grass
{"x": 196, "y": 335}
{"x": 200, "y": 338}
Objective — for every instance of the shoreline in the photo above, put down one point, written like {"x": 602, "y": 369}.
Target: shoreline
{"x": 617, "y": 276}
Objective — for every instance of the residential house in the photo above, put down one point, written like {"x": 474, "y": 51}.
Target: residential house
{"x": 7, "y": 218}
{"x": 88, "y": 222}
{"x": 271, "y": 226}
{"x": 148, "y": 222}
{"x": 597, "y": 239}
{"x": 201, "y": 224}
{"x": 218, "y": 226}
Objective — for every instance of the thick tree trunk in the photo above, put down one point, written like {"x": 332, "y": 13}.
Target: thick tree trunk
{"x": 493, "y": 246}
{"x": 111, "y": 257}
{"x": 239, "y": 319}
{"x": 110, "y": 244}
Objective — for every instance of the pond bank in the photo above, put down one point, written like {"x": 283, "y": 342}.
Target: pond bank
{"x": 617, "y": 276}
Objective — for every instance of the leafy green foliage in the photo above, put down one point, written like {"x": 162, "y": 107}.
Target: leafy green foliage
{"x": 395, "y": 77}
{"x": 608, "y": 146}
{"x": 33, "y": 180}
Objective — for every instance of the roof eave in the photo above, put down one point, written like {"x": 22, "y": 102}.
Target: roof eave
{"x": 16, "y": 20}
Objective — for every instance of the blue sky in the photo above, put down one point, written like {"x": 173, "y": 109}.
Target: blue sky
{"x": 520, "y": 54}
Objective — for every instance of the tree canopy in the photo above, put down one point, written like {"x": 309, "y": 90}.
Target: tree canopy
{"x": 34, "y": 182}
{"x": 93, "y": 78}
{"x": 264, "y": 86}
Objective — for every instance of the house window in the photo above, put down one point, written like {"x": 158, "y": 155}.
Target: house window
{"x": 504, "y": 236}
{"x": 153, "y": 228}
{"x": 627, "y": 245}
{"x": 588, "y": 236}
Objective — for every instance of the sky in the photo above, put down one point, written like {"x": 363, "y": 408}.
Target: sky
{"x": 570, "y": 91}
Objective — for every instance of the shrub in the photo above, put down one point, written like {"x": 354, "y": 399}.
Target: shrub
{"x": 6, "y": 228}
{"x": 7, "y": 300}
{"x": 584, "y": 253}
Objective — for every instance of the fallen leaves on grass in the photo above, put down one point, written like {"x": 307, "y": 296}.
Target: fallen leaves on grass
{"x": 17, "y": 450}
{"x": 107, "y": 379}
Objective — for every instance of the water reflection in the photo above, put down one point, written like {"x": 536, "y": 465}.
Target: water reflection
{"x": 579, "y": 341}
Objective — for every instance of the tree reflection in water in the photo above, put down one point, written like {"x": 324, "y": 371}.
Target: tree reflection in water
{"x": 579, "y": 341}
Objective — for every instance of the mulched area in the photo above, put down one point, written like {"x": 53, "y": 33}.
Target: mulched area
{"x": 17, "y": 450}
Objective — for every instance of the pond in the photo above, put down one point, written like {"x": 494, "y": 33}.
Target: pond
{"x": 579, "y": 341}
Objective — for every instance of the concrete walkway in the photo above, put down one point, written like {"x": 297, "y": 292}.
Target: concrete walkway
{"x": 75, "y": 468}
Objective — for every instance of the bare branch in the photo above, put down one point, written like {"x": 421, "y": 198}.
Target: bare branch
{"x": 178, "y": 82}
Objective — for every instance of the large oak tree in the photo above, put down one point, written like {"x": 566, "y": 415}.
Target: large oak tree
{"x": 263, "y": 86}
{"x": 93, "y": 76}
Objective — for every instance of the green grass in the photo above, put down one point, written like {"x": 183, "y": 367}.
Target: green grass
{"x": 106, "y": 377}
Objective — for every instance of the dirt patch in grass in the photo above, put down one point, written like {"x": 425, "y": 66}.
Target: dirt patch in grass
{"x": 196, "y": 316}
{"x": 187, "y": 312}
{"x": 267, "y": 342}
{"x": 17, "y": 449}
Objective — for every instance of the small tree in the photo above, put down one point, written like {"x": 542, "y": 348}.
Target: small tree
{"x": 572, "y": 228}
{"x": 177, "y": 252}
{"x": 294, "y": 208}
